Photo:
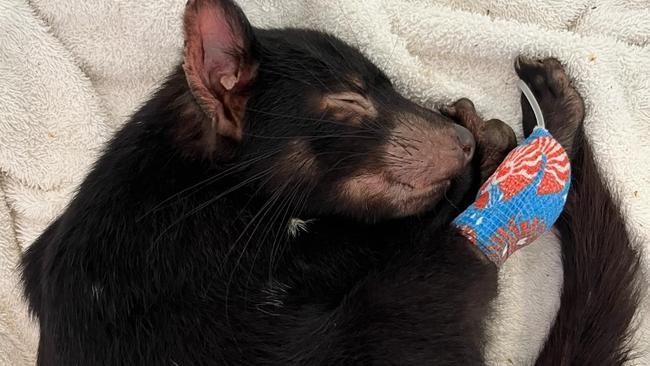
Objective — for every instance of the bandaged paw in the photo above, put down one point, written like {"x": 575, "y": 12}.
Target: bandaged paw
{"x": 522, "y": 199}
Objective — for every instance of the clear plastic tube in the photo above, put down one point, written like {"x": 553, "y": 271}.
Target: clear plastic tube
{"x": 533, "y": 103}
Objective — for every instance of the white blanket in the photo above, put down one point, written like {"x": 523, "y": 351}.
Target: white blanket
{"x": 71, "y": 72}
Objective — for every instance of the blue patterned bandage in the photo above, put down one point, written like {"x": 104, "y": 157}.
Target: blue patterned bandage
{"x": 522, "y": 199}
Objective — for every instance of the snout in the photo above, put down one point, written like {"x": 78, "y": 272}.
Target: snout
{"x": 466, "y": 142}
{"x": 429, "y": 156}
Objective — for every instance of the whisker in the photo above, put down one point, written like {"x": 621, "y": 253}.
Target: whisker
{"x": 310, "y": 137}
{"x": 207, "y": 181}
{"x": 211, "y": 201}
{"x": 298, "y": 206}
{"x": 284, "y": 206}
{"x": 266, "y": 208}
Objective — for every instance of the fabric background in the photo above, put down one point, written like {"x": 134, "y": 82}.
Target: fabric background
{"x": 72, "y": 71}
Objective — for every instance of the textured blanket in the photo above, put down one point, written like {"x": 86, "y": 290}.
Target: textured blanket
{"x": 71, "y": 72}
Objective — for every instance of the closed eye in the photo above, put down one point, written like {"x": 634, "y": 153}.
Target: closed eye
{"x": 346, "y": 103}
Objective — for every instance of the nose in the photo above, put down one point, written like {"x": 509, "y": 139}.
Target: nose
{"x": 466, "y": 142}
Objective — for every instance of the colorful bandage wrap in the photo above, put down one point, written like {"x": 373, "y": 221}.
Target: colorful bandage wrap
{"x": 522, "y": 199}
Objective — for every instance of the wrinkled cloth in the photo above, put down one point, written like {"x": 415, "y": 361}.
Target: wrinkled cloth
{"x": 72, "y": 71}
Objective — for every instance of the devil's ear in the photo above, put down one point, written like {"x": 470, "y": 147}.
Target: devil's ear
{"x": 219, "y": 62}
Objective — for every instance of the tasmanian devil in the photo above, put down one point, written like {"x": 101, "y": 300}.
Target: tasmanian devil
{"x": 278, "y": 202}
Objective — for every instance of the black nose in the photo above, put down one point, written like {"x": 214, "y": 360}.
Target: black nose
{"x": 466, "y": 142}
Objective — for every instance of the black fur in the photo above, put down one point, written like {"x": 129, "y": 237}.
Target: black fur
{"x": 174, "y": 254}
{"x": 128, "y": 276}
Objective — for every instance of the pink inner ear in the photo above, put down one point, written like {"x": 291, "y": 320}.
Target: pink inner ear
{"x": 220, "y": 48}
{"x": 217, "y": 63}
